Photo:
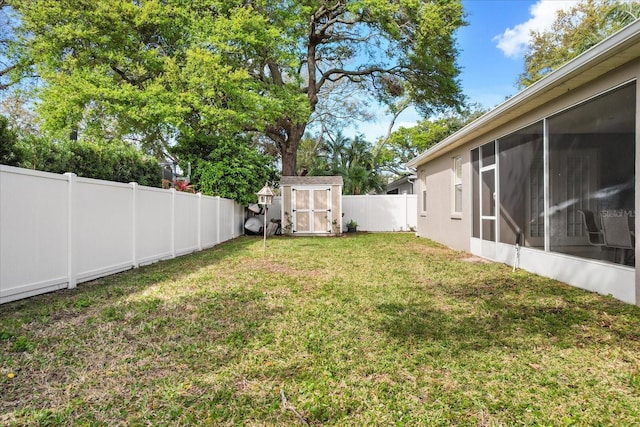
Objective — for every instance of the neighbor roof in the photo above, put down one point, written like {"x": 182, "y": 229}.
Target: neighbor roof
{"x": 311, "y": 180}
{"x": 612, "y": 52}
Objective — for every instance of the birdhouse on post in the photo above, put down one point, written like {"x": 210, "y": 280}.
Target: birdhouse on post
{"x": 265, "y": 195}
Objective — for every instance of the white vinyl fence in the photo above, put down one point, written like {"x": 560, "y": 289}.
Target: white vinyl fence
{"x": 60, "y": 230}
{"x": 387, "y": 212}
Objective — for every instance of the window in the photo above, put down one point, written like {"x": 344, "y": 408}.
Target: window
{"x": 457, "y": 185}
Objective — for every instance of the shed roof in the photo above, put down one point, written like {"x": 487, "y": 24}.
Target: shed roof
{"x": 311, "y": 180}
{"x": 612, "y": 52}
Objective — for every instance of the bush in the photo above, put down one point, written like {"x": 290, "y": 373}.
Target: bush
{"x": 119, "y": 162}
{"x": 10, "y": 153}
{"x": 231, "y": 168}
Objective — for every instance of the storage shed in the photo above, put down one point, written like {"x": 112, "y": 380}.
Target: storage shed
{"x": 311, "y": 205}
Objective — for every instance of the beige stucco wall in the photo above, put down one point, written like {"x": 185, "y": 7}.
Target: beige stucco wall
{"x": 439, "y": 222}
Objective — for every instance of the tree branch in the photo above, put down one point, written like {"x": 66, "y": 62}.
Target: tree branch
{"x": 322, "y": 31}
{"x": 340, "y": 73}
{"x": 131, "y": 80}
{"x": 276, "y": 75}
{"x": 3, "y": 73}
{"x": 122, "y": 74}
{"x": 403, "y": 106}
{"x": 7, "y": 70}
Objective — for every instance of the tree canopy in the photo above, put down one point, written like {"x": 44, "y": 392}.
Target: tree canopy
{"x": 9, "y": 154}
{"x": 157, "y": 70}
{"x": 405, "y": 143}
{"x": 572, "y": 33}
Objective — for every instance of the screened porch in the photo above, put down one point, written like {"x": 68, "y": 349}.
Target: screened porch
{"x": 564, "y": 184}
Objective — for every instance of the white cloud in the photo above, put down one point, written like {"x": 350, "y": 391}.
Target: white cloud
{"x": 378, "y": 129}
{"x": 513, "y": 41}
{"x": 407, "y": 125}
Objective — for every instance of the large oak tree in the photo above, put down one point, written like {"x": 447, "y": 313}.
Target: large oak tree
{"x": 158, "y": 70}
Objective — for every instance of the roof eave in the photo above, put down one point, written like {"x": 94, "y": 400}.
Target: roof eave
{"x": 595, "y": 62}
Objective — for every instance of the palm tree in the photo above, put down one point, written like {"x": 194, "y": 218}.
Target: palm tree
{"x": 353, "y": 159}
{"x": 334, "y": 150}
{"x": 359, "y": 152}
{"x": 622, "y": 14}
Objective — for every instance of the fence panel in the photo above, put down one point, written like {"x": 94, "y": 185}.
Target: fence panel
{"x": 102, "y": 228}
{"x": 186, "y": 222}
{"x": 355, "y": 208}
{"x": 209, "y": 229}
{"x": 226, "y": 217}
{"x": 34, "y": 229}
{"x": 275, "y": 209}
{"x": 387, "y": 212}
{"x": 378, "y": 213}
{"x": 154, "y": 218}
{"x": 238, "y": 220}
{"x": 58, "y": 230}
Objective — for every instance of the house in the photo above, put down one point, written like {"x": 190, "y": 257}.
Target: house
{"x": 553, "y": 169}
{"x": 311, "y": 205}
{"x": 402, "y": 185}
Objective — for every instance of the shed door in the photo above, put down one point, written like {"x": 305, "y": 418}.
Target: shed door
{"x": 311, "y": 210}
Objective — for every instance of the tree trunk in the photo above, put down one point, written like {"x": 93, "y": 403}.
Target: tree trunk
{"x": 289, "y": 150}
{"x": 287, "y": 136}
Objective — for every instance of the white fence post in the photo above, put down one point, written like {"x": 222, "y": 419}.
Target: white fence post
{"x": 199, "y": 221}
{"x": 173, "y": 223}
{"x": 217, "y": 219}
{"x": 71, "y": 272}
{"x": 134, "y": 221}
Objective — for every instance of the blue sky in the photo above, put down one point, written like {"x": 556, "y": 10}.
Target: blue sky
{"x": 488, "y": 74}
{"x": 491, "y": 52}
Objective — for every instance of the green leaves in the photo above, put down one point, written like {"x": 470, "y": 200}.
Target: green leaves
{"x": 572, "y": 33}
{"x": 229, "y": 168}
{"x": 115, "y": 161}
{"x": 406, "y": 143}
{"x": 9, "y": 152}
{"x": 353, "y": 159}
{"x": 158, "y": 69}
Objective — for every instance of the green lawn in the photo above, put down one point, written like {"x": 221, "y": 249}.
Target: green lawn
{"x": 369, "y": 329}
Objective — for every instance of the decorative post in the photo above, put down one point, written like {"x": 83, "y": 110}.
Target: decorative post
{"x": 265, "y": 197}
